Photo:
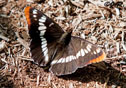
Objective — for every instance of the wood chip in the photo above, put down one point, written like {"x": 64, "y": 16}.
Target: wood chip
{"x": 2, "y": 45}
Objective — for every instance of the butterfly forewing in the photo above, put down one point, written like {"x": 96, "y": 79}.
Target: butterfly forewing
{"x": 50, "y": 45}
{"x": 41, "y": 24}
{"x": 42, "y": 30}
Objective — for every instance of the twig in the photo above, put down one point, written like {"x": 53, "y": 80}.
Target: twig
{"x": 117, "y": 11}
{"x": 21, "y": 41}
{"x": 4, "y": 38}
{"x": 25, "y": 58}
{"x": 38, "y": 80}
{"x": 120, "y": 56}
{"x": 106, "y": 82}
{"x": 97, "y": 3}
{"x": 117, "y": 46}
{"x": 77, "y": 4}
{"x": 124, "y": 47}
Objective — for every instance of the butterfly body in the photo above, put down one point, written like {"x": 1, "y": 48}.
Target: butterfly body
{"x": 50, "y": 45}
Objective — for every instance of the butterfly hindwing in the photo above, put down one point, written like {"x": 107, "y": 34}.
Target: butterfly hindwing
{"x": 77, "y": 54}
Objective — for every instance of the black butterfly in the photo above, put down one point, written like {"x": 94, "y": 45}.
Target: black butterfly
{"x": 51, "y": 46}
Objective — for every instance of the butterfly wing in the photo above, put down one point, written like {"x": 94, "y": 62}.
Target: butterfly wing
{"x": 42, "y": 31}
{"x": 51, "y": 45}
{"x": 77, "y": 54}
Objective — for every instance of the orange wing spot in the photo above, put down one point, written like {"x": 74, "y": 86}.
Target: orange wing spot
{"x": 100, "y": 58}
{"x": 27, "y": 15}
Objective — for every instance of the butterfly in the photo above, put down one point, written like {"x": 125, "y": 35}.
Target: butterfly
{"x": 51, "y": 46}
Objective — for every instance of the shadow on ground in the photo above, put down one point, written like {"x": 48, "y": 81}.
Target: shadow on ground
{"x": 108, "y": 75}
{"x": 5, "y": 82}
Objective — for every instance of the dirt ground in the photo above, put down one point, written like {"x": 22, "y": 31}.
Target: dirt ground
{"x": 99, "y": 21}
